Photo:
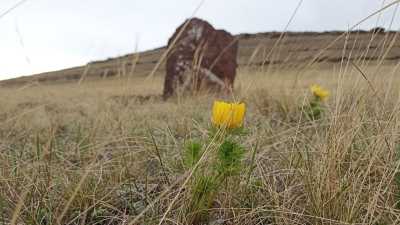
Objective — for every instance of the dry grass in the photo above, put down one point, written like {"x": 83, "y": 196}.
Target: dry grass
{"x": 112, "y": 152}
{"x": 83, "y": 154}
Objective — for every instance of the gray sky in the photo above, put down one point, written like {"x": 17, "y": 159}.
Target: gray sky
{"x": 45, "y": 35}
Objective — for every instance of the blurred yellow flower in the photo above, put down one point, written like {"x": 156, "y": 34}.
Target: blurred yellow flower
{"x": 228, "y": 115}
{"x": 319, "y": 92}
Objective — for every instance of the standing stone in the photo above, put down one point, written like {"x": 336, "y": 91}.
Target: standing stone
{"x": 200, "y": 57}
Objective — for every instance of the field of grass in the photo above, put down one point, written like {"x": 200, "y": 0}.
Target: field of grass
{"x": 112, "y": 152}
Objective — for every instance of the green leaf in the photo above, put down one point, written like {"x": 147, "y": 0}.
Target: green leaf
{"x": 230, "y": 155}
{"x": 193, "y": 153}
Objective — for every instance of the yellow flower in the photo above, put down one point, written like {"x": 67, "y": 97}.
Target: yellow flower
{"x": 319, "y": 92}
{"x": 228, "y": 115}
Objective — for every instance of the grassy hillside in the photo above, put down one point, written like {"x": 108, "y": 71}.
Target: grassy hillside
{"x": 112, "y": 152}
{"x": 97, "y": 144}
{"x": 255, "y": 51}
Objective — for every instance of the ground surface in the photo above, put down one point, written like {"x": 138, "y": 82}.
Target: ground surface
{"x": 110, "y": 151}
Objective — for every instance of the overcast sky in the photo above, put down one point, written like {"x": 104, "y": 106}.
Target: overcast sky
{"x": 45, "y": 35}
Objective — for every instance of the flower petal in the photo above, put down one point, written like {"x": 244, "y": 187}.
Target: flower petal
{"x": 228, "y": 115}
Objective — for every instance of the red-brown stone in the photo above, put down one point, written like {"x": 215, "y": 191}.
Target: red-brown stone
{"x": 200, "y": 57}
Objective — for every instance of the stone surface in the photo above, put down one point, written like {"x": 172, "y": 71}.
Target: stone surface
{"x": 200, "y": 57}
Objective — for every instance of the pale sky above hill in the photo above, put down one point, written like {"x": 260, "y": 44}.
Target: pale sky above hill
{"x": 45, "y": 35}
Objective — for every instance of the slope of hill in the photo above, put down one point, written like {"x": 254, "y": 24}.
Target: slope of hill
{"x": 288, "y": 49}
